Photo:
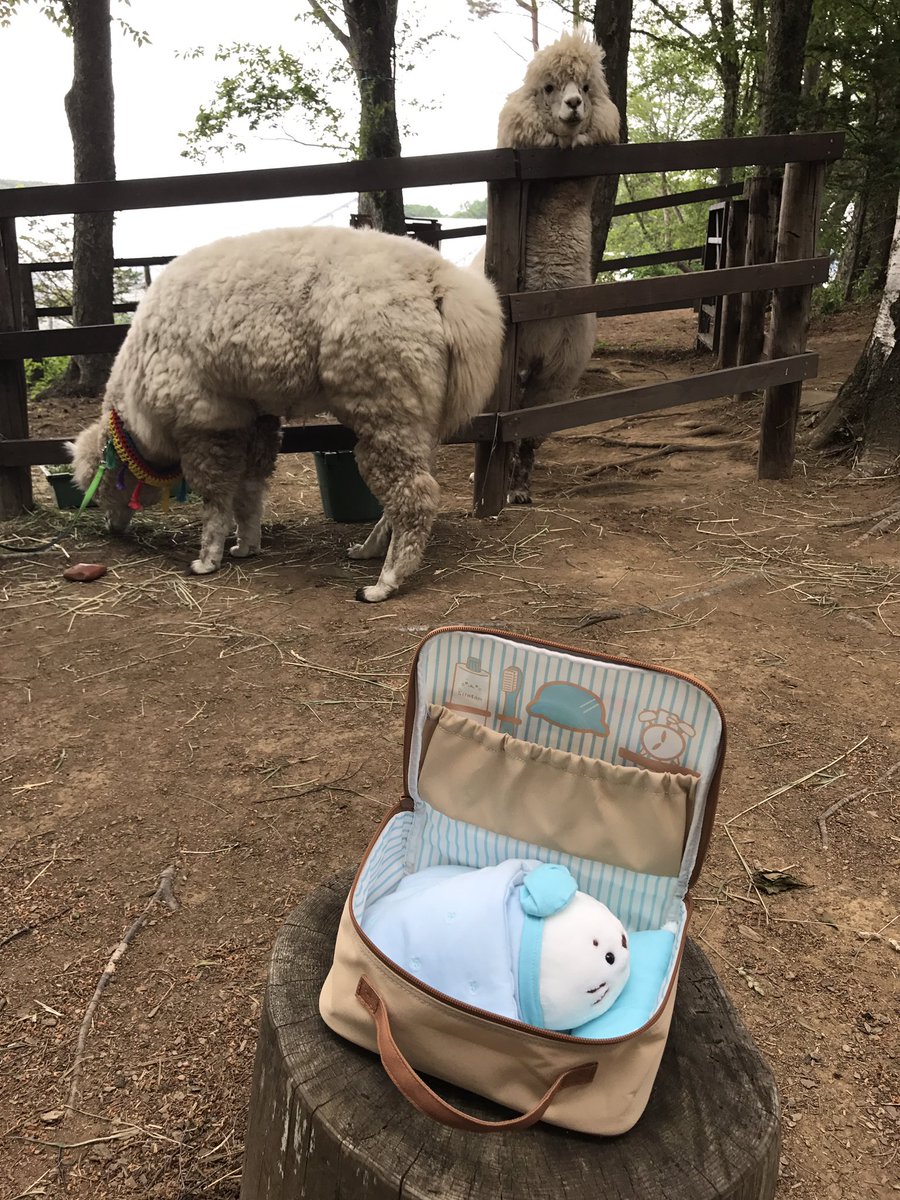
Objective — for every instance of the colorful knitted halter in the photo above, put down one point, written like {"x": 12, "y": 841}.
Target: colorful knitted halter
{"x": 122, "y": 455}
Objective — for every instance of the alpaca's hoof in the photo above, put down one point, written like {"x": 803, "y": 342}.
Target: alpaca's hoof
{"x": 358, "y": 550}
{"x": 243, "y": 551}
{"x": 201, "y": 566}
{"x": 384, "y": 588}
{"x": 520, "y": 496}
{"x": 374, "y": 594}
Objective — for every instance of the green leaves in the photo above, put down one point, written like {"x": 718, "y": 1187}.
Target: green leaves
{"x": 265, "y": 87}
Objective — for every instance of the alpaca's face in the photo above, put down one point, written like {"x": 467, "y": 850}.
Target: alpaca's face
{"x": 564, "y": 100}
{"x": 87, "y": 451}
{"x": 567, "y": 107}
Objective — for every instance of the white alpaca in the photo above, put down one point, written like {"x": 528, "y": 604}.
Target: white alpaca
{"x": 563, "y": 102}
{"x": 397, "y": 343}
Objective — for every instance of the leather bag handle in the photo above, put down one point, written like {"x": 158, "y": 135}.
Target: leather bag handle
{"x": 420, "y": 1095}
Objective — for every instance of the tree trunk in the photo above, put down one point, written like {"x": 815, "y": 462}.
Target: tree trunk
{"x": 788, "y": 30}
{"x": 876, "y": 235}
{"x": 531, "y": 7}
{"x": 612, "y": 29}
{"x": 730, "y": 76}
{"x": 90, "y": 110}
{"x": 848, "y": 264}
{"x": 866, "y": 412}
{"x": 371, "y": 25}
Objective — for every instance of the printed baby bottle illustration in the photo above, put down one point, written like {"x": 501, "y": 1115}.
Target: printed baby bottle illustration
{"x": 510, "y": 694}
{"x": 470, "y": 693}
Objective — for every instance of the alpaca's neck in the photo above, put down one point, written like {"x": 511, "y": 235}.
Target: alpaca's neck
{"x": 150, "y": 438}
{"x": 559, "y": 234}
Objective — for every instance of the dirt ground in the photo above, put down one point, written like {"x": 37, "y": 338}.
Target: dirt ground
{"x": 247, "y": 728}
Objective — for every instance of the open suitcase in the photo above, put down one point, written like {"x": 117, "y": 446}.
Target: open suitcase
{"x": 517, "y": 749}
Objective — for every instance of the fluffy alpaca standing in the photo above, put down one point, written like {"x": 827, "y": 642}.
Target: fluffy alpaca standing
{"x": 563, "y": 102}
{"x": 397, "y": 343}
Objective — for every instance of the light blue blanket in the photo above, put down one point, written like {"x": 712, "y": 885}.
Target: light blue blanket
{"x": 483, "y": 971}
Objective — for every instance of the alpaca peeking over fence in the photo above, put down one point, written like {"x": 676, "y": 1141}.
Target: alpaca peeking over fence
{"x": 563, "y": 102}
{"x": 382, "y": 332}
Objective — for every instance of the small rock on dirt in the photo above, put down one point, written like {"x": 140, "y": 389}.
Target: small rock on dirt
{"x": 84, "y": 572}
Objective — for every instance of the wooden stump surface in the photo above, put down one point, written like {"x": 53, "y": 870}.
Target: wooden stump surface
{"x": 326, "y": 1122}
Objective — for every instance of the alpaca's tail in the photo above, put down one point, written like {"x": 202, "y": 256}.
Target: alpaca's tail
{"x": 474, "y": 330}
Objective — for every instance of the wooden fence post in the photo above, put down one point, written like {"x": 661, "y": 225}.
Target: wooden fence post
{"x": 29, "y": 307}
{"x": 504, "y": 263}
{"x": 759, "y": 250}
{"x": 798, "y": 228}
{"x": 15, "y": 482}
{"x": 735, "y": 250}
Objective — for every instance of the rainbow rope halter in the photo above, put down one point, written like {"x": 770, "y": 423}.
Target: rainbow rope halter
{"x": 121, "y": 455}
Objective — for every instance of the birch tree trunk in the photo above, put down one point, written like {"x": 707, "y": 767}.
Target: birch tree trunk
{"x": 866, "y": 412}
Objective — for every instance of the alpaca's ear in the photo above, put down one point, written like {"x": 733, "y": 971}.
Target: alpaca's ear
{"x": 605, "y": 121}
{"x": 86, "y": 452}
{"x": 521, "y": 124}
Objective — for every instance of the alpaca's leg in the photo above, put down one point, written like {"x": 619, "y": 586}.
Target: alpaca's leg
{"x": 402, "y": 480}
{"x": 555, "y": 354}
{"x": 218, "y": 522}
{"x": 215, "y": 466}
{"x": 522, "y": 466}
{"x": 262, "y": 454}
{"x": 376, "y": 544}
{"x": 248, "y": 510}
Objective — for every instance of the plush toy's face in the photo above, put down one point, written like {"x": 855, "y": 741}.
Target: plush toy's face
{"x": 585, "y": 962}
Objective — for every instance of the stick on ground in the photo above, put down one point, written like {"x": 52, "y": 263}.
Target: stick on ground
{"x": 878, "y": 527}
{"x": 163, "y": 895}
{"x": 866, "y": 791}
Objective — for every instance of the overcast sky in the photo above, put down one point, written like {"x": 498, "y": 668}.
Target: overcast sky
{"x": 466, "y": 77}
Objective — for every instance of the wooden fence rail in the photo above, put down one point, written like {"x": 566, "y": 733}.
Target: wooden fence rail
{"x": 491, "y": 166}
{"x": 508, "y": 173}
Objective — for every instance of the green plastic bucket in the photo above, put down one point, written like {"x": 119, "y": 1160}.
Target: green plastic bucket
{"x": 68, "y": 494}
{"x": 345, "y": 496}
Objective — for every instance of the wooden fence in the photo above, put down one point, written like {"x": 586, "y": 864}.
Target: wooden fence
{"x": 508, "y": 174}
{"x": 31, "y": 312}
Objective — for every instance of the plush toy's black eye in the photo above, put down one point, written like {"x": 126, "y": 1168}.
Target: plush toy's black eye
{"x": 548, "y": 88}
{"x": 610, "y": 957}
{"x": 596, "y": 943}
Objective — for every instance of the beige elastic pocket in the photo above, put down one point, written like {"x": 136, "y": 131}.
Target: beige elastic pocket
{"x": 624, "y": 816}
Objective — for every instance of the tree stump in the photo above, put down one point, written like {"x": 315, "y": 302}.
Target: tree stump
{"x": 325, "y": 1120}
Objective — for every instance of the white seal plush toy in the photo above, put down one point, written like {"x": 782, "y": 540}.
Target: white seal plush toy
{"x": 517, "y": 939}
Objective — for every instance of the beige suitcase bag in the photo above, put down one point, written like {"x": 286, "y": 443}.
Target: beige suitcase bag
{"x": 520, "y": 749}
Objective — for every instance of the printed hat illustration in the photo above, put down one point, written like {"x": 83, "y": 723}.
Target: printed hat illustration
{"x": 570, "y": 707}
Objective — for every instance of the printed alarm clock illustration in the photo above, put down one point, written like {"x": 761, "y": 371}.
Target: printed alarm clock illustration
{"x": 664, "y": 740}
{"x": 664, "y": 735}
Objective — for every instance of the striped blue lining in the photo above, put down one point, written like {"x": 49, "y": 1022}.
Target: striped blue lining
{"x": 639, "y": 901}
{"x": 386, "y": 865}
{"x": 428, "y": 838}
{"x": 631, "y": 711}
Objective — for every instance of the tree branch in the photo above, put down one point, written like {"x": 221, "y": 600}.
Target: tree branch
{"x": 321, "y": 15}
{"x": 673, "y": 20}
